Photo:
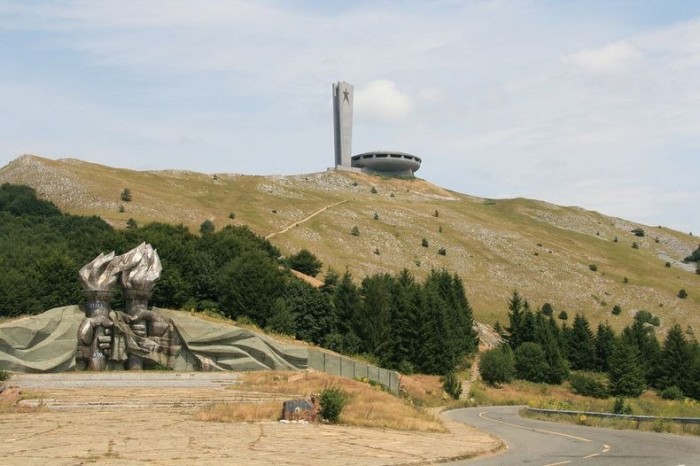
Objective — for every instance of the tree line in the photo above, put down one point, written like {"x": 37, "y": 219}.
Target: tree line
{"x": 393, "y": 319}
{"x": 537, "y": 349}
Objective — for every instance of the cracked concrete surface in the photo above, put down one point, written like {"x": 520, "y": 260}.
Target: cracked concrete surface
{"x": 115, "y": 420}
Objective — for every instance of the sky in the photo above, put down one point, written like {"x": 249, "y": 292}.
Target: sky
{"x": 590, "y": 103}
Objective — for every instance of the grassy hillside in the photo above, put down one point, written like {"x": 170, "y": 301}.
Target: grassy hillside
{"x": 543, "y": 250}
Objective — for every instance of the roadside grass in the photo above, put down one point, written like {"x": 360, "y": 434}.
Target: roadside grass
{"x": 657, "y": 425}
{"x": 560, "y": 397}
{"x": 368, "y": 405}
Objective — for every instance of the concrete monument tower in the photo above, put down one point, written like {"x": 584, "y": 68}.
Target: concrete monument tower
{"x": 342, "y": 122}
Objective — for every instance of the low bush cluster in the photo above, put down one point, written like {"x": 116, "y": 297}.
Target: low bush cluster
{"x": 588, "y": 385}
{"x": 332, "y": 399}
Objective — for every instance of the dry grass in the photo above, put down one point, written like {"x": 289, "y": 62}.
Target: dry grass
{"x": 9, "y": 402}
{"x": 658, "y": 425}
{"x": 241, "y": 412}
{"x": 368, "y": 405}
{"x": 560, "y": 397}
{"x": 424, "y": 390}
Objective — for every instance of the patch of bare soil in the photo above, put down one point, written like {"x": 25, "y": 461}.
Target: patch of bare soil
{"x": 114, "y": 420}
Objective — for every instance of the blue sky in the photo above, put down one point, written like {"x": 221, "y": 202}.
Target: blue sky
{"x": 587, "y": 103}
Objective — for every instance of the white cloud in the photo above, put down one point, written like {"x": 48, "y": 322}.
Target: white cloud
{"x": 382, "y": 100}
{"x": 611, "y": 59}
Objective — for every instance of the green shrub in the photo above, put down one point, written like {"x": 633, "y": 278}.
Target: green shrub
{"x": 635, "y": 245}
{"x": 616, "y": 310}
{"x": 232, "y": 215}
{"x": 376, "y": 216}
{"x": 547, "y": 309}
{"x": 374, "y": 190}
{"x": 305, "y": 262}
{"x": 442, "y": 251}
{"x": 682, "y": 293}
{"x": 563, "y": 315}
{"x": 355, "y": 231}
{"x": 587, "y": 385}
{"x": 333, "y": 399}
{"x": 620, "y": 407}
{"x": 593, "y": 268}
{"x": 672, "y": 393}
{"x": 638, "y": 232}
{"x": 424, "y": 243}
{"x": 643, "y": 316}
{"x": 207, "y": 227}
{"x": 126, "y": 195}
{"x": 497, "y": 365}
{"x": 4, "y": 375}
{"x": 452, "y": 385}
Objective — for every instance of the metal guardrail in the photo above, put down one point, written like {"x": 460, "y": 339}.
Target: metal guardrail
{"x": 632, "y": 417}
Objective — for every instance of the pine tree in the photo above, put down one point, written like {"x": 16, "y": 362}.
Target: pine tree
{"x": 676, "y": 359}
{"x": 436, "y": 352}
{"x": 642, "y": 337}
{"x": 330, "y": 281}
{"x": 626, "y": 374}
{"x": 372, "y": 321}
{"x": 531, "y": 363}
{"x": 691, "y": 385}
{"x": 515, "y": 319}
{"x": 402, "y": 350}
{"x": 603, "y": 346}
{"x": 581, "y": 353}
{"x": 546, "y": 336}
{"x": 346, "y": 300}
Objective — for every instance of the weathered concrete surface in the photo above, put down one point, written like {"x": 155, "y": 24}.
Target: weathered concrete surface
{"x": 117, "y": 421}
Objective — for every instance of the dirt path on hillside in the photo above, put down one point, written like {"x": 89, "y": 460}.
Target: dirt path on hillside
{"x": 305, "y": 219}
{"x": 147, "y": 418}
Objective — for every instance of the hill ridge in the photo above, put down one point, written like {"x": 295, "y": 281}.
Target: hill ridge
{"x": 544, "y": 250}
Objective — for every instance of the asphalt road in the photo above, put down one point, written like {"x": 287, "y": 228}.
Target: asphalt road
{"x": 542, "y": 443}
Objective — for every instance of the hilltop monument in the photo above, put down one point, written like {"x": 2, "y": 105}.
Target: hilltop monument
{"x": 343, "y": 98}
{"x": 391, "y": 163}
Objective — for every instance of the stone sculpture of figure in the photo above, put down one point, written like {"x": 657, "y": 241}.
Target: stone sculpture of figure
{"x": 138, "y": 284}
{"x": 107, "y": 335}
{"x": 95, "y": 332}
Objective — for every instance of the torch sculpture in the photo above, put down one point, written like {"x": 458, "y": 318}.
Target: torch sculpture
{"x": 106, "y": 336}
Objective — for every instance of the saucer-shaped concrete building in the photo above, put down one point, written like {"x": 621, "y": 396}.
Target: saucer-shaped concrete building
{"x": 391, "y": 163}
{"x": 387, "y": 162}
